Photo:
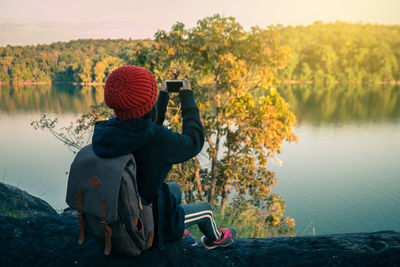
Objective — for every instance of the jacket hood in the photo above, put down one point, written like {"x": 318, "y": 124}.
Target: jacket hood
{"x": 113, "y": 138}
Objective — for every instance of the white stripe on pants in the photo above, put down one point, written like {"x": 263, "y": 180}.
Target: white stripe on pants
{"x": 202, "y": 215}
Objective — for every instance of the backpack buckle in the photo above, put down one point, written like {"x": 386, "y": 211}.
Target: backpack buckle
{"x": 107, "y": 228}
{"x": 79, "y": 209}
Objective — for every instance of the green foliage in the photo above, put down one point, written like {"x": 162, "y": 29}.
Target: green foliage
{"x": 342, "y": 52}
{"x": 75, "y": 61}
{"x": 250, "y": 222}
{"x": 320, "y": 52}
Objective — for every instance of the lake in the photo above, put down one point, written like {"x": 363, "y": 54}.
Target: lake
{"x": 342, "y": 176}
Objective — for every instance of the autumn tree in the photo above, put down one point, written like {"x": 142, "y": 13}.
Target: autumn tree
{"x": 98, "y": 72}
{"x": 227, "y": 66}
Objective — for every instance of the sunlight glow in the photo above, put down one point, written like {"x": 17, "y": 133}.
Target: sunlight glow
{"x": 31, "y": 22}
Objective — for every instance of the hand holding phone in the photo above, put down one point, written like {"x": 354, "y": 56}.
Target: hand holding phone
{"x": 186, "y": 84}
{"x": 174, "y": 86}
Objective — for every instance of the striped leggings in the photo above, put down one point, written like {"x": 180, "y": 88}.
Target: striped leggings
{"x": 197, "y": 213}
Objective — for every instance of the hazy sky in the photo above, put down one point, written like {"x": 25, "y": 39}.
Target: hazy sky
{"x": 45, "y": 21}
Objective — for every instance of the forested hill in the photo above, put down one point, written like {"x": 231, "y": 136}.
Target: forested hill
{"x": 342, "y": 52}
{"x": 79, "y": 61}
{"x": 320, "y": 52}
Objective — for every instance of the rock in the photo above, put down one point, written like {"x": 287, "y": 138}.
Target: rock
{"x": 17, "y": 203}
{"x": 52, "y": 241}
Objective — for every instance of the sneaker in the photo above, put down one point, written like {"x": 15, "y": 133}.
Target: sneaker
{"x": 228, "y": 234}
{"x": 189, "y": 239}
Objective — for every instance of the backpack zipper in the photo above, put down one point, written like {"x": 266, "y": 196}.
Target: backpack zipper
{"x": 135, "y": 185}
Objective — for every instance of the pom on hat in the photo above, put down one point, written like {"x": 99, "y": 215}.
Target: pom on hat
{"x": 131, "y": 91}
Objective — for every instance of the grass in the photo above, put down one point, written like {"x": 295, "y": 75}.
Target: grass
{"x": 8, "y": 211}
{"x": 247, "y": 224}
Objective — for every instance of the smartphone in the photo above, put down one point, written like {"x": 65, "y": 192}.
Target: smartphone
{"x": 174, "y": 85}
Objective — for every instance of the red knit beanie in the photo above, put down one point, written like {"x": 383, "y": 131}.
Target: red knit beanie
{"x": 131, "y": 91}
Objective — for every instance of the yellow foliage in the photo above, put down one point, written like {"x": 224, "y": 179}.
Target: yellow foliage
{"x": 245, "y": 120}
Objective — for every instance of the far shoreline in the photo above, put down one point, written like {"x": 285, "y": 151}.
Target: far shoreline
{"x": 28, "y": 83}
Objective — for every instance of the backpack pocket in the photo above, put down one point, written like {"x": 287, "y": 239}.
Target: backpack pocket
{"x": 130, "y": 215}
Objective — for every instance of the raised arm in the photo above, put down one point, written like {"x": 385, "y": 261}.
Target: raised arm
{"x": 182, "y": 147}
{"x": 162, "y": 103}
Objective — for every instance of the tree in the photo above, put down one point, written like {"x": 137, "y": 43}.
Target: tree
{"x": 227, "y": 66}
{"x": 84, "y": 71}
{"x": 98, "y": 72}
{"x": 111, "y": 63}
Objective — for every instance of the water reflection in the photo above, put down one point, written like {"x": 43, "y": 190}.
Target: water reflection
{"x": 58, "y": 98}
{"x": 311, "y": 103}
{"x": 342, "y": 103}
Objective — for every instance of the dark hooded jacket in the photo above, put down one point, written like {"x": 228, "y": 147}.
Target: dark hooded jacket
{"x": 155, "y": 149}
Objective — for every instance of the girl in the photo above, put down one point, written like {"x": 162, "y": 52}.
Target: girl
{"x": 131, "y": 91}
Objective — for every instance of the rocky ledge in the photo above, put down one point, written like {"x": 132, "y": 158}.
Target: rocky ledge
{"x": 17, "y": 203}
{"x": 52, "y": 241}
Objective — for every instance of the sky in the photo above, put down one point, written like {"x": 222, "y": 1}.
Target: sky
{"x": 30, "y": 22}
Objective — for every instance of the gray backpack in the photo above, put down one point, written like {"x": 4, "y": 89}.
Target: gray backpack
{"x": 105, "y": 194}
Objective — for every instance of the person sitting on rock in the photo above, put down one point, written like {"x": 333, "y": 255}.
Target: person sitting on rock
{"x": 131, "y": 91}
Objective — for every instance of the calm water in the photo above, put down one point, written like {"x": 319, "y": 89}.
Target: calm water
{"x": 342, "y": 176}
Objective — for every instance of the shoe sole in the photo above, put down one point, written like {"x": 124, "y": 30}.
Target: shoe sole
{"x": 209, "y": 248}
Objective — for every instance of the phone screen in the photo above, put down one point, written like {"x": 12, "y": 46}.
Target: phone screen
{"x": 174, "y": 86}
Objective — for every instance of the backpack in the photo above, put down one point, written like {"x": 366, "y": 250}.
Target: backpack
{"x": 105, "y": 194}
